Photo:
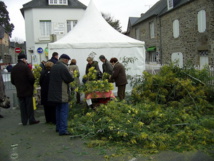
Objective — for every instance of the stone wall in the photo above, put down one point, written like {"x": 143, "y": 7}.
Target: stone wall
{"x": 145, "y": 34}
{"x": 190, "y": 41}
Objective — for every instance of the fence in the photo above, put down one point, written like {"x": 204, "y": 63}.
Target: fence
{"x": 11, "y": 90}
{"x": 7, "y": 81}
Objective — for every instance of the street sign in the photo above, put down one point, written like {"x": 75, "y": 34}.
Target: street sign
{"x": 40, "y": 50}
{"x": 18, "y": 50}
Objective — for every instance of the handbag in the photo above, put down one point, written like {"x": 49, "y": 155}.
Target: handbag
{"x": 5, "y": 102}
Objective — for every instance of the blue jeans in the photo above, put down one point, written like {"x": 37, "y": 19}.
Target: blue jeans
{"x": 61, "y": 117}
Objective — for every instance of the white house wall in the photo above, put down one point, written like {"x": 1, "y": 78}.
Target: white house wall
{"x": 29, "y": 28}
{"x": 32, "y": 25}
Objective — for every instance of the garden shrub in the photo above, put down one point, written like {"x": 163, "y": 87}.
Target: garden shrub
{"x": 169, "y": 111}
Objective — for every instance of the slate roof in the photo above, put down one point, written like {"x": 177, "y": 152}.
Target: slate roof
{"x": 2, "y": 31}
{"x": 132, "y": 20}
{"x": 177, "y": 4}
{"x": 75, "y": 4}
{"x": 153, "y": 11}
{"x": 160, "y": 8}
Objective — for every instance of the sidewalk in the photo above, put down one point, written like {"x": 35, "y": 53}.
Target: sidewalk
{"x": 40, "y": 142}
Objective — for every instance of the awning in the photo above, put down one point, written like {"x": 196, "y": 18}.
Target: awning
{"x": 151, "y": 48}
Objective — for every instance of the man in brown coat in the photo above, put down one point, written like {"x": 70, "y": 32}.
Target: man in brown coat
{"x": 22, "y": 77}
{"x": 119, "y": 76}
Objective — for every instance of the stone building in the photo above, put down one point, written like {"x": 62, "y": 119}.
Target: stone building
{"x": 4, "y": 46}
{"x": 177, "y": 30}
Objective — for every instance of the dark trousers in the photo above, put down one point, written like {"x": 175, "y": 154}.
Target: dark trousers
{"x": 61, "y": 117}
{"x": 50, "y": 113}
{"x": 121, "y": 92}
{"x": 26, "y": 108}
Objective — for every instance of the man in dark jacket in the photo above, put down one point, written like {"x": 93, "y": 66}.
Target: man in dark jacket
{"x": 9, "y": 67}
{"x": 23, "y": 79}
{"x": 59, "y": 92}
{"x": 54, "y": 57}
{"x": 107, "y": 67}
{"x": 119, "y": 76}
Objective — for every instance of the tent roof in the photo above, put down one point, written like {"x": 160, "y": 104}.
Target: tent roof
{"x": 92, "y": 31}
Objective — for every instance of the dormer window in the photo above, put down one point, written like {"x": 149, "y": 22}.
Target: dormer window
{"x": 170, "y": 4}
{"x": 58, "y": 2}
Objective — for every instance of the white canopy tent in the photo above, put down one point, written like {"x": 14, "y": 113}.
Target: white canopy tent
{"x": 93, "y": 34}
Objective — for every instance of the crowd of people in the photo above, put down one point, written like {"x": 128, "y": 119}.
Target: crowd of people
{"x": 56, "y": 75}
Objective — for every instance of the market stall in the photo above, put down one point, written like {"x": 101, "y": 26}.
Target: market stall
{"x": 99, "y": 97}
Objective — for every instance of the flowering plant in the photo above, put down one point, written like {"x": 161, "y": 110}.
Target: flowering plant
{"x": 97, "y": 86}
{"x": 92, "y": 84}
{"x": 92, "y": 74}
{"x": 37, "y": 72}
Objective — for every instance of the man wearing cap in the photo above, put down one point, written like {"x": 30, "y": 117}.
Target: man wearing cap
{"x": 107, "y": 67}
{"x": 59, "y": 93}
{"x": 23, "y": 79}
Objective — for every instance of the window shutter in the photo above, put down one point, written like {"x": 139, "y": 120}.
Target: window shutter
{"x": 201, "y": 21}
{"x": 176, "y": 30}
{"x": 152, "y": 30}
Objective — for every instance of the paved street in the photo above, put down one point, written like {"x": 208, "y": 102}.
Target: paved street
{"x": 41, "y": 143}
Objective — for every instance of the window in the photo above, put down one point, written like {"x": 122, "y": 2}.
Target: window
{"x": 177, "y": 59}
{"x": 170, "y": 4}
{"x": 71, "y": 24}
{"x": 137, "y": 33}
{"x": 201, "y": 21}
{"x": 176, "y": 28}
{"x": 153, "y": 56}
{"x": 45, "y": 28}
{"x": 58, "y": 2}
{"x": 152, "y": 29}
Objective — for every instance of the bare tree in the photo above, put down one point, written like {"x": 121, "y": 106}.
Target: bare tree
{"x": 114, "y": 23}
{"x": 17, "y": 40}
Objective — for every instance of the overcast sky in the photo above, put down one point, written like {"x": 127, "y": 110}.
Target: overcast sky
{"x": 118, "y": 9}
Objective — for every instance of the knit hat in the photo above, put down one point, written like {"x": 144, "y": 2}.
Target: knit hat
{"x": 65, "y": 56}
{"x": 22, "y": 56}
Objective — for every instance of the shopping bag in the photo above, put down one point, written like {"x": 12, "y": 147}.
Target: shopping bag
{"x": 5, "y": 102}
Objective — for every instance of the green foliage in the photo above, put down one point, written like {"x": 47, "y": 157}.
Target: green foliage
{"x": 173, "y": 84}
{"x": 37, "y": 72}
{"x": 208, "y": 123}
{"x": 5, "y": 19}
{"x": 169, "y": 111}
{"x": 147, "y": 127}
{"x": 94, "y": 85}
